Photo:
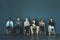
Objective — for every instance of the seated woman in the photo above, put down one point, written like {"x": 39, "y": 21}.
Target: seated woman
{"x": 9, "y": 26}
{"x": 42, "y": 26}
{"x": 26, "y": 26}
{"x": 34, "y": 26}
{"x": 51, "y": 29}
{"x": 18, "y": 26}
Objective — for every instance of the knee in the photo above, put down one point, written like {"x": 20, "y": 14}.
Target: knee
{"x": 37, "y": 27}
{"x": 31, "y": 27}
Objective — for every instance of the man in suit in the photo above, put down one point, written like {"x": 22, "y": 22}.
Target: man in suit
{"x": 9, "y": 25}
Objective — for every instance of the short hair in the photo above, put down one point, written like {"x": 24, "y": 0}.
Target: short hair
{"x": 51, "y": 17}
{"x": 9, "y": 18}
{"x": 34, "y": 18}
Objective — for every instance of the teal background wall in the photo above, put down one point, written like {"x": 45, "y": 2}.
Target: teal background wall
{"x": 29, "y": 8}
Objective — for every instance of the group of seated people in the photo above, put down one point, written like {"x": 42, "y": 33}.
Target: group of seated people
{"x": 30, "y": 27}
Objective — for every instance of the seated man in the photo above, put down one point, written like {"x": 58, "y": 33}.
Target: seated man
{"x": 18, "y": 26}
{"x": 42, "y": 26}
{"x": 51, "y": 29}
{"x": 27, "y": 26}
{"x": 34, "y": 27}
{"x": 9, "y": 26}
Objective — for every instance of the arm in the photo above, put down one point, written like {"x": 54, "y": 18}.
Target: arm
{"x": 21, "y": 24}
{"x": 44, "y": 26}
{"x": 24, "y": 24}
{"x": 7, "y": 24}
{"x": 15, "y": 23}
{"x": 39, "y": 24}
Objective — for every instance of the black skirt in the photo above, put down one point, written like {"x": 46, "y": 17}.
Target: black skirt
{"x": 42, "y": 28}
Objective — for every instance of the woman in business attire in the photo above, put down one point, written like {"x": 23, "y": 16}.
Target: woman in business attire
{"x": 34, "y": 26}
{"x": 42, "y": 26}
{"x": 26, "y": 26}
{"x": 51, "y": 25}
{"x": 9, "y": 26}
{"x": 18, "y": 26}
